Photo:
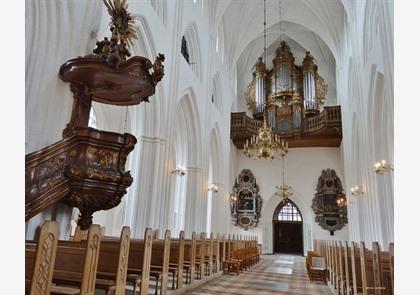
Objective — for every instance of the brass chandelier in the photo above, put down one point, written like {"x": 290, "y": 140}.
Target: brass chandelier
{"x": 283, "y": 191}
{"x": 265, "y": 145}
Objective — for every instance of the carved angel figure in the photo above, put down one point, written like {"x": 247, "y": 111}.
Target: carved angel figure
{"x": 158, "y": 68}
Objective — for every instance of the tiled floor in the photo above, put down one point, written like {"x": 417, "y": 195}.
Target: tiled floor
{"x": 275, "y": 274}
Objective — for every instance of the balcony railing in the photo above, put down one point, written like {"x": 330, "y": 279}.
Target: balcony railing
{"x": 242, "y": 121}
{"x": 320, "y": 125}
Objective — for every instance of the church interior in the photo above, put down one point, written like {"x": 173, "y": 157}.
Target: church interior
{"x": 209, "y": 147}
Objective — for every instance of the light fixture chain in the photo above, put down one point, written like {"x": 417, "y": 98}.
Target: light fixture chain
{"x": 265, "y": 33}
{"x": 282, "y": 160}
{"x": 279, "y": 22}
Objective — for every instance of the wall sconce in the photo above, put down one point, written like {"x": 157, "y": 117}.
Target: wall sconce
{"x": 214, "y": 188}
{"x": 382, "y": 167}
{"x": 233, "y": 198}
{"x": 179, "y": 170}
{"x": 342, "y": 202}
{"x": 357, "y": 190}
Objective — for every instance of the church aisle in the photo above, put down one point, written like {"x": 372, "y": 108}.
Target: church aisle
{"x": 275, "y": 274}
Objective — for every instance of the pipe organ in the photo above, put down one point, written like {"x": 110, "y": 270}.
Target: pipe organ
{"x": 288, "y": 93}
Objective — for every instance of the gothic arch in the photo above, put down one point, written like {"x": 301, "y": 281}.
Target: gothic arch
{"x": 370, "y": 28}
{"x": 220, "y": 39}
{"x": 187, "y": 129}
{"x": 280, "y": 207}
{"x": 267, "y": 213}
{"x": 217, "y": 92}
{"x": 146, "y": 116}
{"x": 381, "y": 117}
{"x": 216, "y": 153}
{"x": 159, "y": 7}
{"x": 193, "y": 44}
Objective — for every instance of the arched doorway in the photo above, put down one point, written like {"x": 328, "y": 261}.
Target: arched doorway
{"x": 287, "y": 229}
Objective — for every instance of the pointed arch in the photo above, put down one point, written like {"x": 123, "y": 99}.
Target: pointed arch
{"x": 159, "y": 7}
{"x": 186, "y": 152}
{"x": 217, "y": 92}
{"x": 381, "y": 118}
{"x": 370, "y": 28}
{"x": 287, "y": 211}
{"x": 187, "y": 127}
{"x": 146, "y": 116}
{"x": 216, "y": 153}
{"x": 193, "y": 44}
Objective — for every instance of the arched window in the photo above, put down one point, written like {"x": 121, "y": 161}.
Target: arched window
{"x": 184, "y": 49}
{"x": 190, "y": 49}
{"x": 288, "y": 212}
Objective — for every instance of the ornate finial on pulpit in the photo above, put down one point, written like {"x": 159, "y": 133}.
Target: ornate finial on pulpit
{"x": 115, "y": 51}
{"x": 158, "y": 68}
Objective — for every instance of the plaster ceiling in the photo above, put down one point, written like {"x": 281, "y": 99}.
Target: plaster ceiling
{"x": 313, "y": 25}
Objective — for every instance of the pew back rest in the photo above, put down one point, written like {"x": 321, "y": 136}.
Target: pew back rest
{"x": 81, "y": 257}
{"x": 40, "y": 259}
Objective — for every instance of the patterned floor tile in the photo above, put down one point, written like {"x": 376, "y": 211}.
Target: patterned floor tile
{"x": 275, "y": 274}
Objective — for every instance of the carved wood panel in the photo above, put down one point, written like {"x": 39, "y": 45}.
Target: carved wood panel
{"x": 328, "y": 214}
{"x": 246, "y": 210}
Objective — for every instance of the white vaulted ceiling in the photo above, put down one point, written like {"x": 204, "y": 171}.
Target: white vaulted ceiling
{"x": 313, "y": 25}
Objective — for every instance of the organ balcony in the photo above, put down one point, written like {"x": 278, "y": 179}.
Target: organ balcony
{"x": 321, "y": 130}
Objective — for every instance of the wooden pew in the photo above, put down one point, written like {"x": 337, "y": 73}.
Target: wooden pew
{"x": 382, "y": 274}
{"x": 156, "y": 234}
{"x": 329, "y": 260}
{"x": 113, "y": 262}
{"x": 370, "y": 270}
{"x": 357, "y": 270}
{"x": 391, "y": 264}
{"x": 139, "y": 260}
{"x": 217, "y": 251}
{"x": 40, "y": 260}
{"x": 347, "y": 272}
{"x": 160, "y": 261}
{"x": 208, "y": 254}
{"x": 176, "y": 259}
{"x": 222, "y": 251}
{"x": 76, "y": 264}
{"x": 190, "y": 252}
{"x": 200, "y": 256}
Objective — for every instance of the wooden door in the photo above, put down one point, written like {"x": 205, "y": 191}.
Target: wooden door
{"x": 288, "y": 237}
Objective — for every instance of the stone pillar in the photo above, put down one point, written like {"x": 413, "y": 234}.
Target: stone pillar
{"x": 144, "y": 205}
{"x": 195, "y": 205}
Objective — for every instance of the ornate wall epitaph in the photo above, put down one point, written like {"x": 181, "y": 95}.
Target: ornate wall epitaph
{"x": 328, "y": 214}
{"x": 246, "y": 209}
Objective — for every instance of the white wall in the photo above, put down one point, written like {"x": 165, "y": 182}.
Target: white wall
{"x": 58, "y": 31}
{"x": 358, "y": 33}
{"x": 303, "y": 166}
{"x": 365, "y": 85}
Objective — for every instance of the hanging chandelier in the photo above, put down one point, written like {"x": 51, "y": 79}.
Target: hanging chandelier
{"x": 283, "y": 191}
{"x": 265, "y": 145}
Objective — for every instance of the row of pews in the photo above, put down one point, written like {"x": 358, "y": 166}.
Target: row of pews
{"x": 89, "y": 261}
{"x": 355, "y": 269}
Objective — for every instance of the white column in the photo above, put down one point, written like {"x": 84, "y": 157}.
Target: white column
{"x": 145, "y": 203}
{"x": 196, "y": 205}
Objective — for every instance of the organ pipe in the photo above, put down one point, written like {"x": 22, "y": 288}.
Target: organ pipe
{"x": 309, "y": 73}
{"x": 260, "y": 85}
{"x": 288, "y": 92}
